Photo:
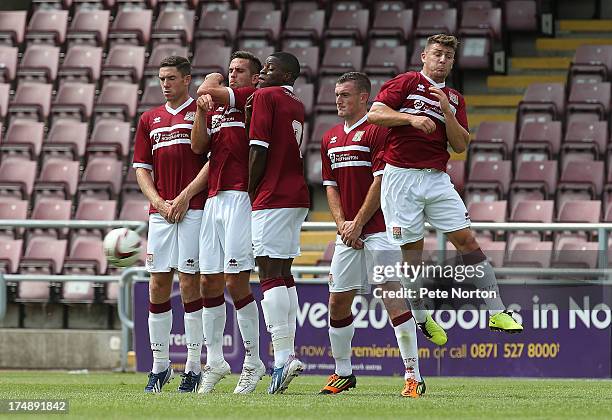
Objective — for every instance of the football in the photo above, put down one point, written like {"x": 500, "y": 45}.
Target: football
{"x": 122, "y": 247}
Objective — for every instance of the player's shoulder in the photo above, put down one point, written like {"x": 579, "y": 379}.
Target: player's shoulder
{"x": 406, "y": 76}
{"x": 331, "y": 135}
{"x": 375, "y": 132}
{"x": 150, "y": 115}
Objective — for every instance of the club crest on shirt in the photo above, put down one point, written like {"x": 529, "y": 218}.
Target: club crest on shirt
{"x": 453, "y": 98}
{"x": 333, "y": 139}
{"x": 358, "y": 135}
{"x": 190, "y": 116}
{"x": 420, "y": 87}
{"x": 397, "y": 232}
{"x": 156, "y": 120}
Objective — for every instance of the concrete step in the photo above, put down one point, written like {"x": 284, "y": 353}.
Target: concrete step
{"x": 592, "y": 25}
{"x": 540, "y": 63}
{"x": 320, "y": 216}
{"x": 520, "y": 81}
{"x": 493, "y": 101}
{"x": 568, "y": 44}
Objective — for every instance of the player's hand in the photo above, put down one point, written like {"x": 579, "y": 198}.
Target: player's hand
{"x": 211, "y": 80}
{"x": 424, "y": 124}
{"x": 205, "y": 103}
{"x": 442, "y": 98}
{"x": 178, "y": 208}
{"x": 163, "y": 207}
{"x": 351, "y": 233}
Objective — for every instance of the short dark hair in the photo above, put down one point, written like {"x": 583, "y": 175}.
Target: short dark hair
{"x": 253, "y": 60}
{"x": 361, "y": 80}
{"x": 443, "y": 39}
{"x": 181, "y": 63}
{"x": 289, "y": 63}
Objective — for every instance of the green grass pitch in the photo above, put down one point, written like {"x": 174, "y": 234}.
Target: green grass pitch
{"x": 116, "y": 395}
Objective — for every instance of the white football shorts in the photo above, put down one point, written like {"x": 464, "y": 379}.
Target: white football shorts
{"x": 276, "y": 232}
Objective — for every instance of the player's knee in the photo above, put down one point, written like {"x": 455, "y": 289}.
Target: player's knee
{"x": 339, "y": 305}
{"x": 466, "y": 242}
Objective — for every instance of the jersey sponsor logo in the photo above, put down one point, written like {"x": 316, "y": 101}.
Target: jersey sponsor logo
{"x": 358, "y": 135}
{"x": 397, "y": 232}
{"x": 418, "y": 104}
{"x": 190, "y": 116}
{"x": 421, "y": 87}
{"x": 156, "y": 120}
{"x": 156, "y": 137}
{"x": 453, "y": 98}
{"x": 333, "y": 139}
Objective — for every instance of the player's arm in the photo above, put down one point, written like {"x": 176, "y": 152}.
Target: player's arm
{"x": 458, "y": 137}
{"x": 335, "y": 206}
{"x": 180, "y": 205}
{"x": 353, "y": 228}
{"x": 258, "y": 156}
{"x": 147, "y": 186}
{"x": 384, "y": 116}
{"x": 200, "y": 140}
{"x": 213, "y": 86}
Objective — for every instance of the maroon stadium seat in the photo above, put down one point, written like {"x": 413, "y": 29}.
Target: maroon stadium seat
{"x": 218, "y": 24}
{"x": 339, "y": 60}
{"x": 151, "y": 97}
{"x": 161, "y": 51}
{"x": 433, "y": 5}
{"x": 90, "y": 26}
{"x": 23, "y": 138}
{"x": 309, "y": 60}
{"x": 11, "y": 208}
{"x": 585, "y": 140}
{"x": 74, "y": 100}
{"x": 348, "y": 24}
{"x": 530, "y": 254}
{"x": 124, "y": 62}
{"x": 261, "y": 24}
{"x": 537, "y": 211}
{"x": 594, "y": 55}
{"x": 10, "y": 255}
{"x": 534, "y": 180}
{"x": 305, "y": 92}
{"x": 132, "y": 26}
{"x": 110, "y": 136}
{"x": 17, "y": 178}
{"x": 137, "y": 210}
{"x": 48, "y": 26}
{"x": 386, "y": 60}
{"x": 580, "y": 211}
{"x": 261, "y": 52}
{"x": 393, "y": 24}
{"x": 474, "y": 53}
{"x": 67, "y": 139}
{"x": 542, "y": 98}
{"x": 59, "y": 178}
{"x": 12, "y": 26}
{"x": 322, "y": 123}
{"x": 52, "y": 209}
{"x": 415, "y": 63}
{"x": 456, "y": 170}
{"x": 32, "y": 100}
{"x": 326, "y": 97}
{"x": 304, "y": 6}
{"x": 93, "y": 209}
{"x": 259, "y": 6}
{"x": 211, "y": 58}
{"x": 8, "y": 63}
{"x": 86, "y": 256}
{"x": 4, "y": 99}
{"x": 118, "y": 99}
{"x": 494, "y": 140}
{"x": 313, "y": 165}
{"x": 538, "y": 141}
{"x": 376, "y": 82}
{"x": 570, "y": 253}
{"x": 305, "y": 24}
{"x": 83, "y": 63}
{"x": 489, "y": 181}
{"x": 494, "y": 250}
{"x": 130, "y": 190}
{"x": 101, "y": 178}
{"x": 483, "y": 22}
{"x": 431, "y": 22}
{"x": 43, "y": 255}
{"x": 580, "y": 180}
{"x": 590, "y": 98}
{"x": 493, "y": 211}
{"x": 521, "y": 15}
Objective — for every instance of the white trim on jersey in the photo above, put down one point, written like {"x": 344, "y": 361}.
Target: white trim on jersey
{"x": 259, "y": 143}
{"x": 348, "y": 148}
{"x": 142, "y": 165}
{"x": 171, "y": 128}
{"x": 180, "y": 108}
{"x": 438, "y": 85}
{"x": 289, "y": 88}
{"x": 171, "y": 143}
{"x": 232, "y": 97}
{"x": 351, "y": 163}
{"x": 357, "y": 124}
{"x": 330, "y": 183}
{"x": 429, "y": 101}
{"x": 226, "y": 125}
{"x": 424, "y": 111}
{"x": 377, "y": 173}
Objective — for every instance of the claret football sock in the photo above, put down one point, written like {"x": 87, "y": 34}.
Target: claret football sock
{"x": 340, "y": 336}
{"x": 160, "y": 325}
{"x": 193, "y": 335}
{"x": 213, "y": 318}
{"x": 405, "y": 332}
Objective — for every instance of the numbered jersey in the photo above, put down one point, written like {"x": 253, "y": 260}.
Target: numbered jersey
{"x": 277, "y": 123}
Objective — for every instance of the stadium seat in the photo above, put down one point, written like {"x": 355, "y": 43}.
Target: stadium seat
{"x": 161, "y": 51}
{"x": 101, "y": 178}
{"x": 260, "y": 6}
{"x": 130, "y": 190}
{"x": 303, "y": 5}
{"x": 110, "y": 138}
{"x": 482, "y": 23}
{"x": 124, "y": 63}
{"x": 132, "y": 26}
{"x": 86, "y": 257}
{"x": 262, "y": 52}
{"x": 433, "y": 5}
{"x": 12, "y": 26}
{"x": 570, "y": 253}
{"x": 520, "y": 15}
{"x": 10, "y": 255}
{"x": 585, "y": 140}
{"x": 217, "y": 24}
{"x": 432, "y": 22}
{"x": 82, "y": 63}
{"x": 493, "y": 141}
{"x": 313, "y": 165}
{"x": 261, "y": 24}
{"x": 151, "y": 97}
{"x": 4, "y": 100}
{"x": 494, "y": 250}
{"x": 488, "y": 181}
{"x": 66, "y": 139}
{"x": 44, "y": 256}
{"x": 89, "y": 26}
{"x": 23, "y": 139}
{"x": 117, "y": 99}
{"x": 309, "y": 60}
{"x": 542, "y": 101}
{"x": 49, "y": 209}
{"x": 48, "y": 26}
{"x": 348, "y": 24}
{"x": 389, "y": 61}
{"x": 534, "y": 180}
{"x": 579, "y": 211}
{"x": 474, "y": 54}
{"x": 211, "y": 58}
{"x": 493, "y": 211}
{"x": 322, "y": 123}
{"x": 339, "y": 60}
{"x": 17, "y": 178}
{"x": 58, "y": 178}
{"x": 533, "y": 211}
{"x": 456, "y": 170}
{"x": 11, "y": 208}
{"x": 591, "y": 63}
{"x": 74, "y": 100}
{"x": 135, "y": 210}
{"x": 94, "y": 209}
{"x": 580, "y": 180}
{"x": 305, "y": 92}
{"x": 530, "y": 254}
{"x": 538, "y": 141}
{"x": 391, "y": 23}
{"x": 415, "y": 63}
{"x": 8, "y": 63}
{"x": 305, "y": 24}
{"x": 32, "y": 100}
{"x": 589, "y": 98}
